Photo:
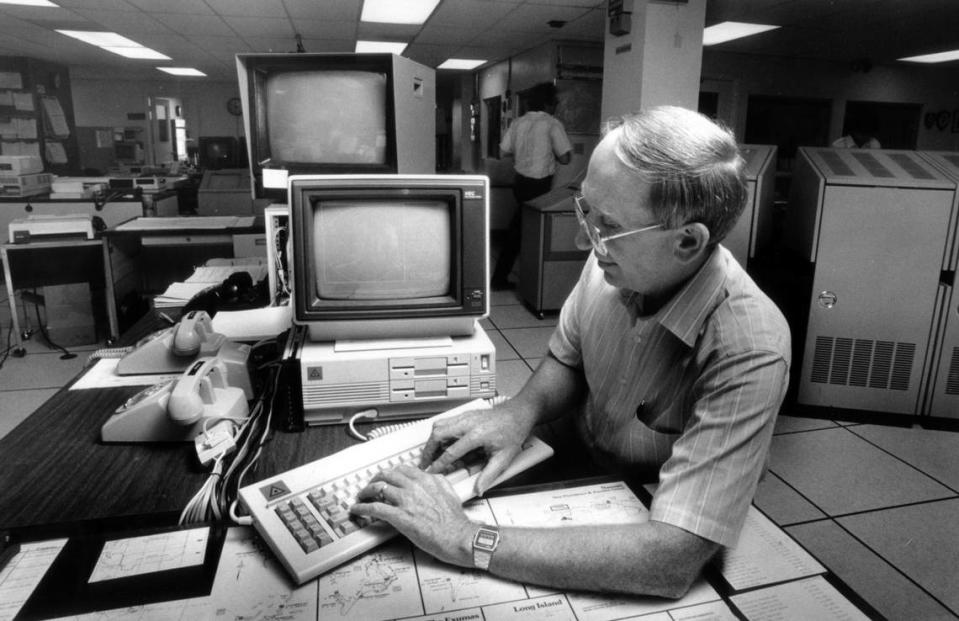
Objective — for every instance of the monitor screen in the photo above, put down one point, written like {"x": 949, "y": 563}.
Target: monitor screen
{"x": 347, "y": 123}
{"x": 335, "y": 114}
{"x": 389, "y": 256}
{"x": 216, "y": 152}
{"x": 379, "y": 250}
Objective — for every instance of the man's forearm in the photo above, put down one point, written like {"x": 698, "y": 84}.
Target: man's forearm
{"x": 552, "y": 391}
{"x": 652, "y": 558}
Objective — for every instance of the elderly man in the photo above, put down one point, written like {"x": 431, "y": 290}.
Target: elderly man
{"x": 670, "y": 359}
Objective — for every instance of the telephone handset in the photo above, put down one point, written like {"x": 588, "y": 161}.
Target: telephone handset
{"x": 174, "y": 349}
{"x": 194, "y": 334}
{"x": 175, "y": 410}
{"x": 200, "y": 388}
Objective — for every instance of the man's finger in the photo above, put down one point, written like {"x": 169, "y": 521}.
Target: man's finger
{"x": 494, "y": 467}
{"x": 452, "y": 453}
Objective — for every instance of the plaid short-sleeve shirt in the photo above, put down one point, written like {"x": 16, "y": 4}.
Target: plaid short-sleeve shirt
{"x": 692, "y": 390}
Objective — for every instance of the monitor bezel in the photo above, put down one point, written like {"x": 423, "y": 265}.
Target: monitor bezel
{"x": 311, "y": 307}
{"x": 468, "y": 299}
{"x": 260, "y": 67}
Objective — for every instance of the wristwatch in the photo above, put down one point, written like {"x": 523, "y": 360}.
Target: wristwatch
{"x": 484, "y": 544}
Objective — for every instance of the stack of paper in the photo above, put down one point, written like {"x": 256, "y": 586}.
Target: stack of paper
{"x": 209, "y": 275}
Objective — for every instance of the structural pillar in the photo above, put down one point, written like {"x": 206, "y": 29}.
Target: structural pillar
{"x": 657, "y": 56}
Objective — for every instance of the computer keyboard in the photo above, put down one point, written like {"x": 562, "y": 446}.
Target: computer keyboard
{"x": 303, "y": 514}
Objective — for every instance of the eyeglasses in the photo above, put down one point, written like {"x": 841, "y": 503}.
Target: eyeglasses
{"x": 592, "y": 232}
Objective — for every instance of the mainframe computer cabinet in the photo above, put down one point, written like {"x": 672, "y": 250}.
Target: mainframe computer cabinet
{"x": 755, "y": 227}
{"x": 942, "y": 398}
{"x": 879, "y": 229}
{"x": 549, "y": 261}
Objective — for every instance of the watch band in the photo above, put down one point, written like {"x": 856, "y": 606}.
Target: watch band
{"x": 485, "y": 542}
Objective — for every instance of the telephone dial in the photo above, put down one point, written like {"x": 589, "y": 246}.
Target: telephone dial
{"x": 214, "y": 383}
{"x": 176, "y": 410}
{"x": 174, "y": 349}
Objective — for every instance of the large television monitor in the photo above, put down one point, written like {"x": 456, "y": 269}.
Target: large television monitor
{"x": 389, "y": 256}
{"x": 218, "y": 152}
{"x": 335, "y": 114}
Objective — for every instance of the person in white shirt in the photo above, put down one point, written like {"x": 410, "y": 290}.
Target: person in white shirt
{"x": 860, "y": 135}
{"x": 537, "y": 141}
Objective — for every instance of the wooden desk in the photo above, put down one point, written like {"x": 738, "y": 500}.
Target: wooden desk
{"x": 55, "y": 470}
{"x": 48, "y": 263}
{"x": 148, "y": 260}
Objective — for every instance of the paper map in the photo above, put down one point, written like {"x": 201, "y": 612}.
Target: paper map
{"x": 397, "y": 581}
{"x": 145, "y": 555}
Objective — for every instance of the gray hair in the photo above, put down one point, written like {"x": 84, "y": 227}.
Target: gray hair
{"x": 692, "y": 165}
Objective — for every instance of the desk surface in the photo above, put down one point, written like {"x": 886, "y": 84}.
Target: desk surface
{"x": 55, "y": 470}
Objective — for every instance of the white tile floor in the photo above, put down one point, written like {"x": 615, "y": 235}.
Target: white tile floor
{"x": 878, "y": 505}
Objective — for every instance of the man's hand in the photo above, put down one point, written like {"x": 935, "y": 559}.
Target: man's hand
{"x": 424, "y": 508}
{"x": 499, "y": 433}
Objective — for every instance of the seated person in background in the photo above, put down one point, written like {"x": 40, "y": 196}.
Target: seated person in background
{"x": 671, "y": 361}
{"x": 860, "y": 136}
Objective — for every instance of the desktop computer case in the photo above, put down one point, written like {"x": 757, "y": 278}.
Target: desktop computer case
{"x": 399, "y": 378}
{"x": 879, "y": 229}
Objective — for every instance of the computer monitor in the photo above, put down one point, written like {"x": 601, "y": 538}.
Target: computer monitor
{"x": 335, "y": 114}
{"x": 218, "y": 152}
{"x": 389, "y": 256}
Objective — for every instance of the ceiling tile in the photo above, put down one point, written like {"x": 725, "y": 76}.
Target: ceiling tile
{"x": 261, "y": 27}
{"x": 466, "y": 13}
{"x": 247, "y": 8}
{"x": 196, "y": 7}
{"x": 335, "y": 10}
{"x": 191, "y": 25}
{"x": 123, "y": 22}
{"x": 447, "y": 35}
{"x": 325, "y": 29}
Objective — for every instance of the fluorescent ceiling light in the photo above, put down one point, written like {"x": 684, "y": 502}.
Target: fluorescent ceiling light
{"x": 397, "y": 11}
{"x": 374, "y": 47}
{"x": 939, "y": 57}
{"x": 182, "y": 71}
{"x": 30, "y": 2}
{"x": 143, "y": 53}
{"x": 112, "y": 42}
{"x": 727, "y": 31}
{"x": 461, "y": 63}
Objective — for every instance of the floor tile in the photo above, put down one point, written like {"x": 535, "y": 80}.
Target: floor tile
{"x": 518, "y": 316}
{"x": 529, "y": 342}
{"x": 788, "y": 424}
{"x": 511, "y": 375}
{"x": 504, "y": 297}
{"x": 893, "y": 595}
{"x": 841, "y": 473}
{"x": 16, "y": 405}
{"x": 782, "y": 504}
{"x": 504, "y": 351}
{"x": 920, "y": 540}
{"x": 39, "y": 370}
{"x": 935, "y": 452}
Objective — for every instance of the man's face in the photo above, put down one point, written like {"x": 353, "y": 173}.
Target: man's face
{"x": 617, "y": 202}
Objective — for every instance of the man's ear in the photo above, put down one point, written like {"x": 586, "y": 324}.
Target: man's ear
{"x": 691, "y": 242}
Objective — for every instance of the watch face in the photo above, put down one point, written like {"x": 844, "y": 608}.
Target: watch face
{"x": 486, "y": 539}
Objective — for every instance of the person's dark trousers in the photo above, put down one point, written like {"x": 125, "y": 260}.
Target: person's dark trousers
{"x": 524, "y": 189}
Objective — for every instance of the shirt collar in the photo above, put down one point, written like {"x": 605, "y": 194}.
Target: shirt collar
{"x": 686, "y": 313}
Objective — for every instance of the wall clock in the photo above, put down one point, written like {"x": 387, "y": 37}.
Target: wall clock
{"x": 234, "y": 106}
